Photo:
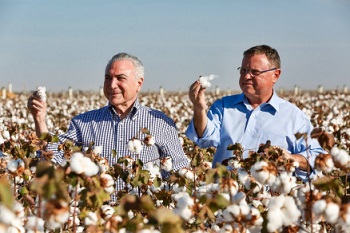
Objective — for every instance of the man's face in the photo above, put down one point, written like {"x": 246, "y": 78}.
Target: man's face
{"x": 261, "y": 85}
{"x": 120, "y": 86}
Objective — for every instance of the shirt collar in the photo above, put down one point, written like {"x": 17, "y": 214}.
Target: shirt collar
{"x": 136, "y": 106}
{"x": 273, "y": 102}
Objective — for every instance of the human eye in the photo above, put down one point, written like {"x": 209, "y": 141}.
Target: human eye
{"x": 121, "y": 77}
{"x": 255, "y": 72}
{"x": 243, "y": 70}
{"x": 107, "y": 77}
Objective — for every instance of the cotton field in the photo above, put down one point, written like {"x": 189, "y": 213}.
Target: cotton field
{"x": 259, "y": 195}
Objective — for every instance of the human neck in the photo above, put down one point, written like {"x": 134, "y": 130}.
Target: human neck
{"x": 122, "y": 111}
{"x": 256, "y": 100}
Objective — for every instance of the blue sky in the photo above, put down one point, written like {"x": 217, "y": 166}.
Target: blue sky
{"x": 61, "y": 44}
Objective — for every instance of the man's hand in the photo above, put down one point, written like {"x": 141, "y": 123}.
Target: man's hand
{"x": 197, "y": 96}
{"x": 37, "y": 108}
{"x": 303, "y": 163}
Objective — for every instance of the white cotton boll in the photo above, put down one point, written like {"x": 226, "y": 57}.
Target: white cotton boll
{"x": 153, "y": 170}
{"x": 183, "y": 171}
{"x": 334, "y": 151}
{"x": 181, "y": 141}
{"x": 19, "y": 180}
{"x": 189, "y": 175}
{"x": 245, "y": 209}
{"x": 40, "y": 93}
{"x": 177, "y": 196}
{"x": 177, "y": 188}
{"x": 290, "y": 211}
{"x": 107, "y": 183}
{"x": 34, "y": 223}
{"x": 184, "y": 202}
{"x": 2, "y": 140}
{"x": 274, "y": 220}
{"x": 244, "y": 178}
{"x": 149, "y": 140}
{"x": 81, "y": 164}
{"x": 103, "y": 165}
{"x": 343, "y": 157}
{"x": 239, "y": 198}
{"x": 224, "y": 195}
{"x": 184, "y": 213}
{"x": 230, "y": 212}
{"x": 74, "y": 219}
{"x": 14, "y": 165}
{"x": 332, "y": 212}
{"x": 6, "y": 135}
{"x": 204, "y": 80}
{"x": 98, "y": 150}
{"x": 107, "y": 211}
{"x": 135, "y": 146}
{"x": 6, "y": 215}
{"x": 75, "y": 163}
{"x": 131, "y": 214}
{"x": 91, "y": 219}
{"x": 329, "y": 165}
{"x": 259, "y": 174}
{"x": 18, "y": 209}
{"x": 319, "y": 207}
{"x": 166, "y": 164}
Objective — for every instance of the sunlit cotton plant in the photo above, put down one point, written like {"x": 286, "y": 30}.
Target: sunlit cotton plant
{"x": 197, "y": 198}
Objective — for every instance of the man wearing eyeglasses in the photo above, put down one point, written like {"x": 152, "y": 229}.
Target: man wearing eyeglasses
{"x": 254, "y": 116}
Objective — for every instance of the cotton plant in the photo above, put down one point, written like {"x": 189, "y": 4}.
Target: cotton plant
{"x": 214, "y": 191}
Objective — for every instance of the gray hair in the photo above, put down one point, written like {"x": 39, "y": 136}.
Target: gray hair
{"x": 139, "y": 68}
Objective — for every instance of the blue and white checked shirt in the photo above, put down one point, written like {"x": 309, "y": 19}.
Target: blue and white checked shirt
{"x": 104, "y": 127}
{"x": 233, "y": 120}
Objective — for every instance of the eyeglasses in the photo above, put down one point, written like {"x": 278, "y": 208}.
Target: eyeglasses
{"x": 253, "y": 72}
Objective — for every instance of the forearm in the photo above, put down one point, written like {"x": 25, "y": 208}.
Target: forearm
{"x": 40, "y": 126}
{"x": 200, "y": 121}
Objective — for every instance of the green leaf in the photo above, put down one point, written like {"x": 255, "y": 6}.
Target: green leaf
{"x": 6, "y": 195}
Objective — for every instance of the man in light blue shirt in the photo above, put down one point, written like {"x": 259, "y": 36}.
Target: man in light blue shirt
{"x": 253, "y": 117}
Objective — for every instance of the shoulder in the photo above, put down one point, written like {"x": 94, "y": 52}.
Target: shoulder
{"x": 92, "y": 114}
{"x": 229, "y": 100}
{"x": 289, "y": 108}
{"x": 154, "y": 114}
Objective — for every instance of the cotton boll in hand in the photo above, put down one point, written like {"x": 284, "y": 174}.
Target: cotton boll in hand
{"x": 205, "y": 80}
{"x": 40, "y": 94}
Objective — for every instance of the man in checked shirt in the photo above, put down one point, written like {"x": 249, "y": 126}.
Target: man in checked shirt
{"x": 122, "y": 119}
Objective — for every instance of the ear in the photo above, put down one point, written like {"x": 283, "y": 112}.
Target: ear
{"x": 276, "y": 76}
{"x": 139, "y": 83}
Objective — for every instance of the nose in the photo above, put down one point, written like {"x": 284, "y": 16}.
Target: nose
{"x": 113, "y": 83}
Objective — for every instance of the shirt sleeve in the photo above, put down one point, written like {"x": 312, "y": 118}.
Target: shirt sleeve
{"x": 170, "y": 145}
{"x": 211, "y": 135}
{"x": 72, "y": 134}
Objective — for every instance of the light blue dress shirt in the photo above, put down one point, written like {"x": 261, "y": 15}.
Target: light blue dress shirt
{"x": 233, "y": 120}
